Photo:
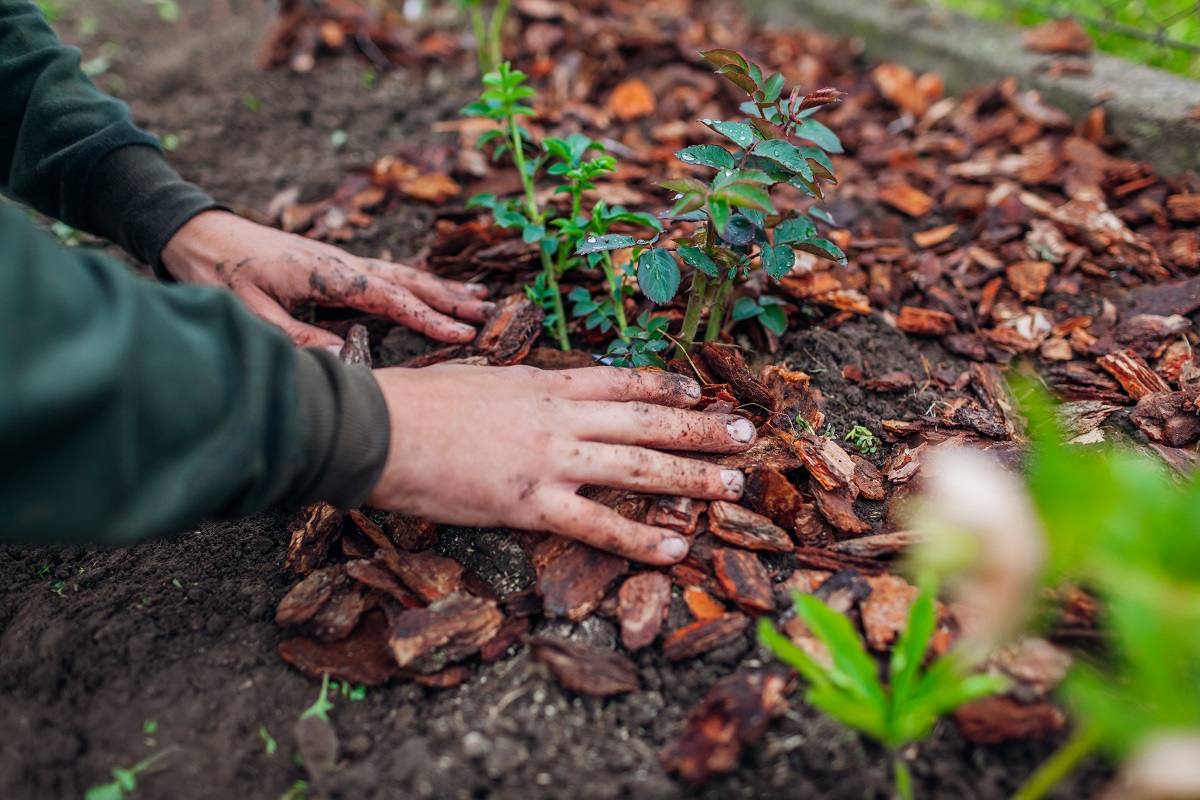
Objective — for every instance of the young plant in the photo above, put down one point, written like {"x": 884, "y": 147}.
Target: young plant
{"x": 124, "y": 781}
{"x": 561, "y": 237}
{"x": 740, "y": 226}
{"x": 487, "y": 27}
{"x": 849, "y": 689}
{"x": 863, "y": 440}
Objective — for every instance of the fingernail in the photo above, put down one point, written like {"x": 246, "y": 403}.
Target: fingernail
{"x": 734, "y": 480}
{"x": 674, "y": 547}
{"x": 740, "y": 430}
{"x": 691, "y": 388}
{"x": 489, "y": 307}
{"x": 477, "y": 288}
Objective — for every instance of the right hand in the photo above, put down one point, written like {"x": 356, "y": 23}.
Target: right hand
{"x": 510, "y": 446}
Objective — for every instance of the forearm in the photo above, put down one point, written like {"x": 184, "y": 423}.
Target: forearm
{"x": 72, "y": 152}
{"x": 131, "y": 410}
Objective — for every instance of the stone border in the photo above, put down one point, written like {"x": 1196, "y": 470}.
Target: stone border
{"x": 1147, "y": 106}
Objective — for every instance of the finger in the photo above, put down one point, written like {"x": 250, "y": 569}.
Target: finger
{"x": 460, "y": 300}
{"x": 648, "y": 425}
{"x": 614, "y": 383}
{"x": 591, "y": 523}
{"x": 641, "y": 470}
{"x": 398, "y": 303}
{"x": 302, "y": 334}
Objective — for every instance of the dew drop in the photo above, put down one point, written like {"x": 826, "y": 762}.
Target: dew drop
{"x": 687, "y": 157}
{"x": 728, "y": 173}
{"x": 591, "y": 240}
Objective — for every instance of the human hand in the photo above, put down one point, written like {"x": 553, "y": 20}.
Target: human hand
{"x": 509, "y": 446}
{"x": 274, "y": 272}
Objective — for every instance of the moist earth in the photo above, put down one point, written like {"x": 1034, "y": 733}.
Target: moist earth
{"x": 108, "y": 655}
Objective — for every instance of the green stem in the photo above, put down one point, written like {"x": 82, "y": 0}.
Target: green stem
{"x": 691, "y": 317}
{"x": 560, "y": 323}
{"x": 614, "y": 289}
{"x": 495, "y": 29}
{"x": 716, "y": 310}
{"x": 1052, "y": 771}
{"x": 518, "y": 151}
{"x": 904, "y": 787}
{"x": 477, "y": 24}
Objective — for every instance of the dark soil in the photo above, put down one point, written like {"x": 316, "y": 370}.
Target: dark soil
{"x": 99, "y": 646}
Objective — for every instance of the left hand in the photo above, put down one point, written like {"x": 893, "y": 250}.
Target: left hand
{"x": 274, "y": 272}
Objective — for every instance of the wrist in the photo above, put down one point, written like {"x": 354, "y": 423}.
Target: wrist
{"x": 191, "y": 254}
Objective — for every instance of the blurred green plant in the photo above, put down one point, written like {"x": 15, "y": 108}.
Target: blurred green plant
{"x": 488, "y": 27}
{"x": 124, "y": 780}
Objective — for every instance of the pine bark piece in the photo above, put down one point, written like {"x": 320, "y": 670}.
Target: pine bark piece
{"x": 744, "y": 579}
{"x": 837, "y": 507}
{"x": 1163, "y": 418}
{"x": 730, "y": 369}
{"x": 844, "y": 590}
{"x": 686, "y": 575}
{"x": 509, "y": 333}
{"x": 744, "y": 528}
{"x": 934, "y": 236}
{"x": 704, "y": 635}
{"x": 768, "y": 451}
{"x": 1000, "y": 718}
{"x": 900, "y": 380}
{"x": 701, "y": 603}
{"x": 361, "y": 658}
{"x": 426, "y": 639}
{"x": 511, "y": 632}
{"x": 825, "y": 460}
{"x": 885, "y": 610}
{"x": 573, "y": 583}
{"x": 733, "y": 715}
{"x": 1028, "y": 278}
{"x": 1133, "y": 373}
{"x": 410, "y": 533}
{"x": 1184, "y": 207}
{"x": 326, "y": 605}
{"x": 447, "y": 678}
{"x": 374, "y": 573}
{"x": 584, "y": 668}
{"x": 815, "y": 558}
{"x": 770, "y": 493}
{"x": 372, "y": 530}
{"x": 680, "y": 514}
{"x": 879, "y": 545}
{"x": 793, "y": 393}
{"x": 427, "y": 575}
{"x": 312, "y": 533}
{"x": 867, "y": 479}
{"x": 906, "y": 199}
{"x": 925, "y": 321}
{"x": 642, "y": 605}
{"x": 356, "y": 348}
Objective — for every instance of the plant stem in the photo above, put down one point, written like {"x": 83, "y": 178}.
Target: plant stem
{"x": 716, "y": 310}
{"x": 477, "y": 24}
{"x": 495, "y": 29}
{"x": 560, "y": 323}
{"x": 691, "y": 317}
{"x": 614, "y": 288}
{"x": 903, "y": 777}
{"x": 518, "y": 151}
{"x": 1052, "y": 771}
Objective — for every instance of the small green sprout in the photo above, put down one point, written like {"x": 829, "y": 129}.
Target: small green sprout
{"x": 170, "y": 142}
{"x": 149, "y": 727}
{"x": 125, "y": 780}
{"x": 44, "y": 572}
{"x": 322, "y": 706}
{"x": 252, "y": 102}
{"x": 862, "y": 439}
{"x": 268, "y": 740}
{"x": 175, "y": 582}
{"x": 297, "y": 791}
{"x": 849, "y": 688}
{"x": 803, "y": 424}
{"x": 58, "y": 587}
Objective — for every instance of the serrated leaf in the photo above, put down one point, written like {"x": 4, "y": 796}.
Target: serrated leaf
{"x": 822, "y": 248}
{"x": 768, "y": 129}
{"x": 720, "y": 57}
{"x": 772, "y": 87}
{"x": 688, "y": 204}
{"x": 658, "y": 275}
{"x": 707, "y": 155}
{"x": 811, "y": 188}
{"x": 697, "y": 259}
{"x": 757, "y": 217}
{"x": 750, "y": 195}
{"x": 774, "y": 319}
{"x": 822, "y": 214}
{"x": 684, "y": 185}
{"x": 745, "y": 308}
{"x": 740, "y": 133}
{"x": 777, "y": 260}
{"x": 786, "y": 155}
{"x": 718, "y": 212}
{"x": 610, "y": 241}
{"x": 739, "y": 231}
{"x": 735, "y": 75}
{"x": 796, "y": 229}
{"x": 754, "y": 71}
{"x": 820, "y": 135}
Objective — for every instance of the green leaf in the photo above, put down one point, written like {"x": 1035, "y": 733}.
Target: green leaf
{"x": 822, "y": 248}
{"x": 698, "y": 259}
{"x": 750, "y": 195}
{"x": 787, "y": 651}
{"x": 849, "y": 655}
{"x": 796, "y": 229}
{"x": 786, "y": 155}
{"x": 738, "y": 231}
{"x": 758, "y": 218}
{"x": 533, "y": 232}
{"x": 737, "y": 77}
{"x": 820, "y": 135}
{"x": 720, "y": 57}
{"x": 818, "y": 155}
{"x": 106, "y": 791}
{"x": 598, "y": 244}
{"x": 692, "y": 201}
{"x": 772, "y": 87}
{"x": 745, "y": 308}
{"x": 774, "y": 319}
{"x": 718, "y": 211}
{"x": 777, "y": 260}
{"x": 484, "y": 200}
{"x": 684, "y": 185}
{"x": 909, "y": 651}
{"x": 740, "y": 133}
{"x": 768, "y": 129}
{"x": 726, "y": 177}
{"x": 658, "y": 274}
{"x": 822, "y": 214}
{"x": 707, "y": 155}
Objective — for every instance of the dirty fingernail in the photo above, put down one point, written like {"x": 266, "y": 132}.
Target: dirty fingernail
{"x": 740, "y": 430}
{"x": 691, "y": 388}
{"x": 477, "y": 288}
{"x": 734, "y": 480}
{"x": 489, "y": 307}
{"x": 674, "y": 547}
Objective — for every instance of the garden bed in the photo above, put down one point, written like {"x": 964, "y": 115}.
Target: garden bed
{"x": 110, "y": 655}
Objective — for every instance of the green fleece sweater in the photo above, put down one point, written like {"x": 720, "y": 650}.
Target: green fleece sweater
{"x": 130, "y": 409}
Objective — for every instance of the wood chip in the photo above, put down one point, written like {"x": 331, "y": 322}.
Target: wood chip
{"x": 837, "y": 507}
{"x": 427, "y": 575}
{"x": 1163, "y": 418}
{"x": 643, "y": 602}
{"x": 1133, "y": 373}
{"x": 451, "y": 629}
{"x": 745, "y": 580}
{"x": 769, "y": 493}
{"x": 906, "y": 199}
{"x": 701, "y": 603}
{"x": 879, "y": 545}
{"x": 867, "y": 479}
{"x": 356, "y": 349}
{"x": 511, "y": 632}
{"x": 1000, "y": 719}
{"x": 577, "y": 579}
{"x": 631, "y": 99}
{"x": 410, "y": 533}
{"x": 312, "y": 533}
{"x": 825, "y": 459}
{"x": 704, "y": 635}
{"x": 727, "y": 368}
{"x": 585, "y": 668}
{"x": 925, "y": 321}
{"x": 375, "y": 573}
{"x": 934, "y": 236}
{"x": 733, "y": 715}
{"x": 680, "y": 514}
{"x": 1184, "y": 207}
{"x": 361, "y": 658}
{"x": 1028, "y": 278}
{"x": 744, "y": 528}
{"x": 326, "y": 605}
{"x": 885, "y": 611}
{"x": 509, "y": 333}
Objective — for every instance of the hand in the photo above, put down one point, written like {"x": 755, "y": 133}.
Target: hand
{"x": 509, "y": 446}
{"x": 274, "y": 272}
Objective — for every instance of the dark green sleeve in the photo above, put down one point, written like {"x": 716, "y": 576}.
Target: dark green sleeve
{"x": 73, "y": 153}
{"x": 131, "y": 409}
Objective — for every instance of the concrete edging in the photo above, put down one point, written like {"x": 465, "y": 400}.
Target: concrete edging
{"x": 1147, "y": 106}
